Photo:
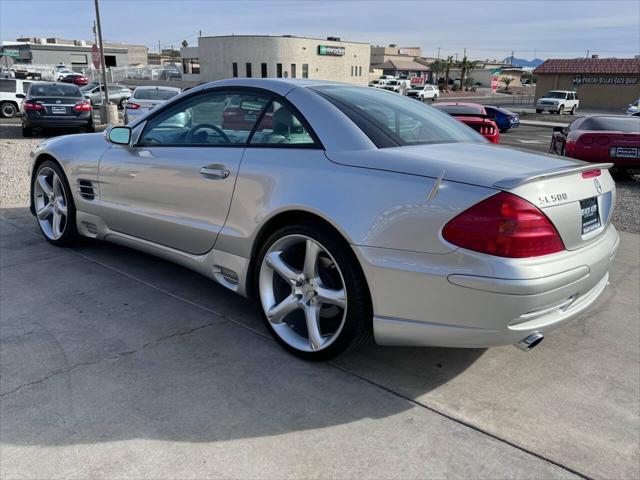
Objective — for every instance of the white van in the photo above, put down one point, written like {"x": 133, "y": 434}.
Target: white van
{"x": 9, "y": 102}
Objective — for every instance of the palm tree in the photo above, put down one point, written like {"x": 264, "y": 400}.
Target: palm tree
{"x": 506, "y": 80}
{"x": 437, "y": 68}
{"x": 448, "y": 63}
{"x": 466, "y": 66}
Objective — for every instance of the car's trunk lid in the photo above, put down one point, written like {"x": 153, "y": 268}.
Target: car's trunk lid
{"x": 57, "y": 106}
{"x": 561, "y": 187}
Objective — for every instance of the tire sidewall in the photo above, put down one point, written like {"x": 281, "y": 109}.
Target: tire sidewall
{"x": 70, "y": 233}
{"x": 359, "y": 317}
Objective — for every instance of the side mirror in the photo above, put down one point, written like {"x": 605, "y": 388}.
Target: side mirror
{"x": 22, "y": 95}
{"x": 120, "y": 135}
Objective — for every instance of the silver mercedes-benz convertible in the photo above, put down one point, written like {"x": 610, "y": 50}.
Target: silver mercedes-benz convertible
{"x": 346, "y": 211}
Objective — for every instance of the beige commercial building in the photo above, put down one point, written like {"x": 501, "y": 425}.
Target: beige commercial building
{"x": 267, "y": 56}
{"x": 611, "y": 83}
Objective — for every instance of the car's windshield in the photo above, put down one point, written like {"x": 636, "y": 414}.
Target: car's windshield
{"x": 401, "y": 119}
{"x": 392, "y": 82}
{"x": 154, "y": 94}
{"x": 614, "y": 124}
{"x": 556, "y": 95}
{"x": 54, "y": 90}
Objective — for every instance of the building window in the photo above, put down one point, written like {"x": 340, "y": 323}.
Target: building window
{"x": 359, "y": 71}
{"x": 279, "y": 70}
{"x": 352, "y": 70}
{"x": 305, "y": 70}
{"x": 78, "y": 59}
{"x": 191, "y": 65}
{"x": 293, "y": 70}
{"x": 235, "y": 69}
{"x": 248, "y": 67}
{"x": 263, "y": 70}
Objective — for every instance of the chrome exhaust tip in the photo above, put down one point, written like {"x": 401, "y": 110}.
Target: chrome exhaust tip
{"x": 531, "y": 341}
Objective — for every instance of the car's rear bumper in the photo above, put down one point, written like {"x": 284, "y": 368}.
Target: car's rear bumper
{"x": 58, "y": 122}
{"x": 465, "y": 299}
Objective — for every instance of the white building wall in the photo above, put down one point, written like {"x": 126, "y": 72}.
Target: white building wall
{"x": 217, "y": 55}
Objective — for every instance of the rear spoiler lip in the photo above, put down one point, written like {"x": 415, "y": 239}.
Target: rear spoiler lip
{"x": 513, "y": 182}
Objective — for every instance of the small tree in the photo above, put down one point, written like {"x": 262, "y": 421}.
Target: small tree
{"x": 468, "y": 82}
{"x": 506, "y": 80}
{"x": 466, "y": 66}
{"x": 437, "y": 68}
{"x": 449, "y": 62}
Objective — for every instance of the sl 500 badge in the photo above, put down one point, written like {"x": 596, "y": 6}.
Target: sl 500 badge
{"x": 553, "y": 198}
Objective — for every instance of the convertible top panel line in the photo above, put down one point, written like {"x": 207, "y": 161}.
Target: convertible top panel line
{"x": 344, "y": 211}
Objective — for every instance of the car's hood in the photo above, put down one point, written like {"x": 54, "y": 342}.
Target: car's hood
{"x": 480, "y": 164}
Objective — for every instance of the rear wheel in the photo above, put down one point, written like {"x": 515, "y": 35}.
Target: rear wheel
{"x": 53, "y": 204}
{"x": 27, "y": 131}
{"x": 8, "y": 109}
{"x": 573, "y": 110}
{"x": 122, "y": 103}
{"x": 314, "y": 297}
{"x": 538, "y": 110}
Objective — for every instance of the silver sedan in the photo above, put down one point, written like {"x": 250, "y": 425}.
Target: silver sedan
{"x": 345, "y": 211}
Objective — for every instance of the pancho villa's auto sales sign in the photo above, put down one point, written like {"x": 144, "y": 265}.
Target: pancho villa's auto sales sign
{"x": 583, "y": 80}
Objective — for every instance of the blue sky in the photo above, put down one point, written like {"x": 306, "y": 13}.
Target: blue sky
{"x": 488, "y": 29}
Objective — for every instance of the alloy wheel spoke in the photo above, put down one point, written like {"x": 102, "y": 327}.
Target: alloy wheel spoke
{"x": 311, "y": 254}
{"x": 331, "y": 296}
{"x": 56, "y": 224}
{"x": 312, "y": 316}
{"x": 278, "y": 312}
{"x": 48, "y": 189}
{"x": 62, "y": 208}
{"x": 274, "y": 260}
{"x": 45, "y": 211}
{"x": 57, "y": 187}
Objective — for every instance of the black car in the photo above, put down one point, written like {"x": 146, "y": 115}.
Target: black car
{"x": 55, "y": 105}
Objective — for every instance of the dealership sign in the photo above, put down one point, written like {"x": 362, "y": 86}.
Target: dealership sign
{"x": 583, "y": 80}
{"x": 10, "y": 53}
{"x": 329, "y": 51}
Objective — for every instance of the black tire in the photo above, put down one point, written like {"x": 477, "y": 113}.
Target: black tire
{"x": 27, "y": 132}
{"x": 122, "y": 103}
{"x": 7, "y": 109}
{"x": 70, "y": 233}
{"x": 358, "y": 323}
{"x": 90, "y": 128}
{"x": 573, "y": 110}
{"x": 538, "y": 110}
{"x": 561, "y": 110}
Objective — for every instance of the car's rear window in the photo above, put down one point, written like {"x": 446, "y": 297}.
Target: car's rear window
{"x": 616, "y": 124}
{"x": 154, "y": 94}
{"x": 461, "y": 109}
{"x": 54, "y": 90}
{"x": 391, "y": 120}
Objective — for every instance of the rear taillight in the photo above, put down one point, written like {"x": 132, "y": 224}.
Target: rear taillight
{"x": 586, "y": 139}
{"x": 32, "y": 106}
{"x": 132, "y": 106}
{"x": 506, "y": 226}
{"x": 83, "y": 107}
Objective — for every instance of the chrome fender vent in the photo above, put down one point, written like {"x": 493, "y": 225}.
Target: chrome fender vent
{"x": 86, "y": 189}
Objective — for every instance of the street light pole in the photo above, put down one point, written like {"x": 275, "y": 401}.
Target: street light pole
{"x": 102, "y": 63}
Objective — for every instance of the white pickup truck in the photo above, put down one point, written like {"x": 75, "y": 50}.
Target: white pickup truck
{"x": 558, "y": 101}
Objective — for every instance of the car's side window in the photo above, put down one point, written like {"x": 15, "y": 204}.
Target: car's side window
{"x": 210, "y": 118}
{"x": 281, "y": 126}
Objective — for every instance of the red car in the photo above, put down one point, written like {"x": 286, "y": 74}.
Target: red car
{"x": 243, "y": 116}
{"x": 474, "y": 115}
{"x": 601, "y": 138}
{"x": 78, "y": 79}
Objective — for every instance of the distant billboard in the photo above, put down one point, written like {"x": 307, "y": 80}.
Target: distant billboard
{"x": 330, "y": 51}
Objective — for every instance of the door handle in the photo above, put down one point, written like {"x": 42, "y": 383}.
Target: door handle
{"x": 215, "y": 171}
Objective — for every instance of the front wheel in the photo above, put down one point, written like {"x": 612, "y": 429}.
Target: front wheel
{"x": 314, "y": 297}
{"x": 53, "y": 204}
{"x": 561, "y": 110}
{"x": 8, "y": 110}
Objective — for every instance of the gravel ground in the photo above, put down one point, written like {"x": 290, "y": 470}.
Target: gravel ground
{"x": 14, "y": 179}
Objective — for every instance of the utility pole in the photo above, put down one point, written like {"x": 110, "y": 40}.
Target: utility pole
{"x": 464, "y": 55}
{"x": 587, "y": 54}
{"x": 512, "y": 53}
{"x": 438, "y": 53}
{"x": 95, "y": 36}
{"x": 104, "y": 69}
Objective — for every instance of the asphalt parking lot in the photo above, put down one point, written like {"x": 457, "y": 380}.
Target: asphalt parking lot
{"x": 115, "y": 364}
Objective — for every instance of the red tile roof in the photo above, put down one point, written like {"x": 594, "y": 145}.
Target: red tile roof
{"x": 620, "y": 66}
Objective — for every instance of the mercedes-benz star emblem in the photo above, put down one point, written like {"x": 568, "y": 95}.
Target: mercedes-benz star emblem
{"x": 597, "y": 184}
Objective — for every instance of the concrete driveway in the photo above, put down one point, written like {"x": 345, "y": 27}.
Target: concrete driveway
{"x": 116, "y": 364}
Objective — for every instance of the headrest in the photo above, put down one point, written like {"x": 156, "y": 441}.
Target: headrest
{"x": 284, "y": 122}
